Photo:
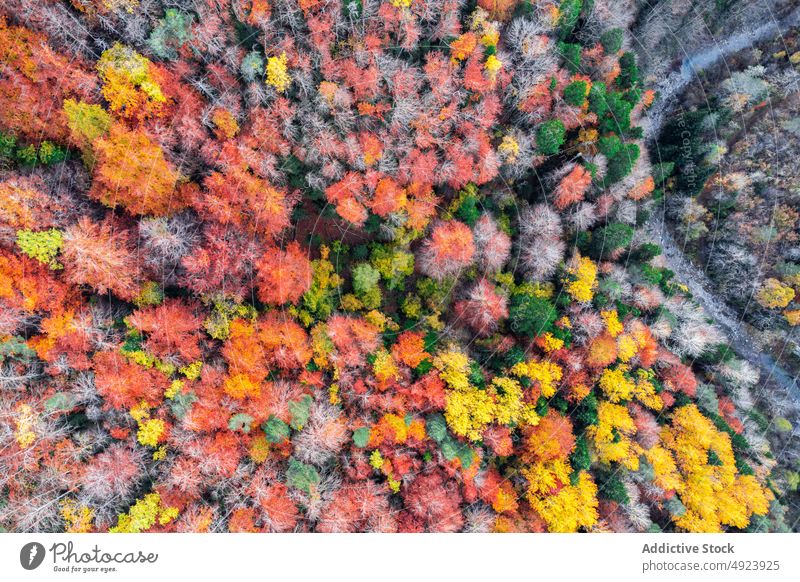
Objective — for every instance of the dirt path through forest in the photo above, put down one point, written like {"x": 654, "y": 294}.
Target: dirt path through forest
{"x": 676, "y": 82}
{"x": 700, "y": 286}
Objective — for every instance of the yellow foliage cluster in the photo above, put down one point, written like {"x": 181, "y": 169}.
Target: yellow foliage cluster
{"x": 350, "y": 302}
{"x": 543, "y": 290}
{"x": 774, "y": 294}
{"x": 709, "y": 485}
{"x": 150, "y": 293}
{"x": 218, "y": 324}
{"x": 321, "y": 345}
{"x": 151, "y": 430}
{"x": 384, "y": 366}
{"x": 612, "y": 436}
{"x": 546, "y": 373}
{"x": 86, "y": 121}
{"x": 376, "y": 460}
{"x": 381, "y": 320}
{"x": 626, "y": 347}
{"x": 633, "y": 340}
{"x": 510, "y": 407}
{"x": 148, "y": 361}
{"x": 508, "y": 148}
{"x": 493, "y": 66}
{"x": 613, "y": 325}
{"x": 144, "y": 514}
{"x": 469, "y": 409}
{"x": 581, "y": 279}
{"x": 25, "y": 421}
{"x": 481, "y": 23}
{"x": 571, "y": 506}
{"x": 141, "y": 411}
{"x": 277, "y": 73}
{"x": 616, "y": 384}
{"x": 551, "y": 343}
{"x": 324, "y": 281}
{"x": 128, "y": 83}
{"x": 645, "y": 391}
{"x": 174, "y": 388}
{"x": 394, "y": 484}
{"x": 453, "y": 368}
{"x": 77, "y": 518}
{"x": 192, "y": 371}
{"x": 378, "y": 463}
{"x": 664, "y": 468}
{"x": 43, "y": 246}
{"x": 259, "y": 450}
{"x": 544, "y": 477}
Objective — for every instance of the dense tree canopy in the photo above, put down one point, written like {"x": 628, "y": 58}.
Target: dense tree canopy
{"x": 359, "y": 266}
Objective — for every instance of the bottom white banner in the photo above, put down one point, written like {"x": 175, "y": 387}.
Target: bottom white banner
{"x": 390, "y": 557}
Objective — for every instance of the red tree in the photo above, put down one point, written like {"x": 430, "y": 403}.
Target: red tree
{"x": 433, "y": 504}
{"x": 172, "y": 329}
{"x": 572, "y": 187}
{"x": 449, "y": 249}
{"x": 483, "y": 309}
{"x": 100, "y": 255}
{"x": 124, "y": 384}
{"x": 283, "y": 276}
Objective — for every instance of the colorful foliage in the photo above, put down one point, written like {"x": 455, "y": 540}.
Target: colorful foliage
{"x": 292, "y": 266}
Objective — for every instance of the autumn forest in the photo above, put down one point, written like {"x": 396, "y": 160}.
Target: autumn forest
{"x": 356, "y": 266}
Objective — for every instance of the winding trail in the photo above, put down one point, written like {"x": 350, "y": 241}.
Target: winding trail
{"x": 676, "y": 82}
{"x": 701, "y": 288}
{"x": 687, "y": 272}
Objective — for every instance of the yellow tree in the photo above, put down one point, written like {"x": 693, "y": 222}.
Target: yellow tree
{"x": 708, "y": 482}
{"x": 131, "y": 172}
{"x": 130, "y": 83}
